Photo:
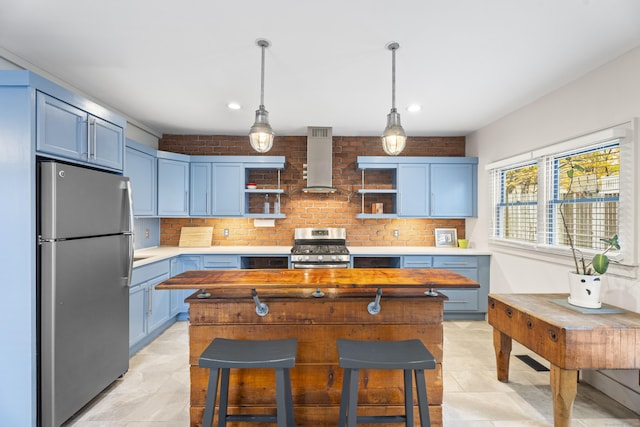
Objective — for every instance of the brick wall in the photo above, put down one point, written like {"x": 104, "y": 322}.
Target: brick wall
{"x": 315, "y": 210}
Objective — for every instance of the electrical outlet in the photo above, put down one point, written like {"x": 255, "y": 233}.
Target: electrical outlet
{"x": 226, "y": 232}
{"x": 147, "y": 233}
{"x": 396, "y": 233}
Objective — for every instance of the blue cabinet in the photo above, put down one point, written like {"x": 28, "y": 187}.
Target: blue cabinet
{"x": 173, "y": 185}
{"x": 66, "y": 131}
{"x": 137, "y": 315}
{"x": 140, "y": 167}
{"x": 214, "y": 262}
{"x": 179, "y": 265}
{"x": 463, "y": 304}
{"x": 427, "y": 187}
{"x": 216, "y": 189}
{"x": 227, "y": 189}
{"x": 217, "y": 186}
{"x": 149, "y": 308}
{"x": 413, "y": 185}
{"x": 453, "y": 190}
{"x": 200, "y": 182}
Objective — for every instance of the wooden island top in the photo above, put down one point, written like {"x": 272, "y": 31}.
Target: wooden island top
{"x": 229, "y": 311}
{"x": 347, "y": 278}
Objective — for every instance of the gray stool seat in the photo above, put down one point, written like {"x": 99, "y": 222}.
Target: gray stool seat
{"x": 223, "y": 354}
{"x": 409, "y": 355}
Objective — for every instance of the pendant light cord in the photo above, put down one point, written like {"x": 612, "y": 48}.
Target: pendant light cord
{"x": 393, "y": 78}
{"x": 263, "y": 44}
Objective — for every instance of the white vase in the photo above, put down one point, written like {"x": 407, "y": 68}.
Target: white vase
{"x": 584, "y": 291}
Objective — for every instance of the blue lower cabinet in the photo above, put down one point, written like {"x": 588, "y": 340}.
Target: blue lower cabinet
{"x": 137, "y": 315}
{"x": 180, "y": 264}
{"x": 149, "y": 309}
{"x": 463, "y": 304}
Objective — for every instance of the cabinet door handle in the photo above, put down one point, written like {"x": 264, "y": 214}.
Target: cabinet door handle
{"x": 433, "y": 203}
{"x": 88, "y": 137}
{"x": 95, "y": 139}
{"x": 150, "y": 301}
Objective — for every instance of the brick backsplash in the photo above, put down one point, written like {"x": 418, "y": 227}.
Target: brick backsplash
{"x": 315, "y": 210}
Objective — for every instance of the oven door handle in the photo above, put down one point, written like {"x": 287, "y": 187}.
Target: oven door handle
{"x": 339, "y": 265}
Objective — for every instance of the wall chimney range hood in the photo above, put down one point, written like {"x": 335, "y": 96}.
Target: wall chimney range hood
{"x": 319, "y": 167}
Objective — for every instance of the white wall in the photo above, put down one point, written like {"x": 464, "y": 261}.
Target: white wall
{"x": 602, "y": 98}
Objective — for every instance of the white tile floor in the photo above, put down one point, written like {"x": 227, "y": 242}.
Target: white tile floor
{"x": 155, "y": 391}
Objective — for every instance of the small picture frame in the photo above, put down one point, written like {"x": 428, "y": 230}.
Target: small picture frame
{"x": 446, "y": 237}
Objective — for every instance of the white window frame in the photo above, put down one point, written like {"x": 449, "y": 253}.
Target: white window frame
{"x": 626, "y": 261}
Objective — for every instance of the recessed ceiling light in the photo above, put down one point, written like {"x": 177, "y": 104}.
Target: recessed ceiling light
{"x": 233, "y": 106}
{"x": 414, "y": 107}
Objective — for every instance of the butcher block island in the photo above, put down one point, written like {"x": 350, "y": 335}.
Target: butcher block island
{"x": 317, "y": 306}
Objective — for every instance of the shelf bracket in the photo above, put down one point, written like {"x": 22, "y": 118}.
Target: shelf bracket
{"x": 262, "y": 309}
{"x": 374, "y": 306}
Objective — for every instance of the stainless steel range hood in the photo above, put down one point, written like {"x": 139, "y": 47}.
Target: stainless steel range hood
{"x": 319, "y": 166}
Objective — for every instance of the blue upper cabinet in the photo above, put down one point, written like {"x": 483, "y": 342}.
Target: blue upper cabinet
{"x": 69, "y": 132}
{"x": 216, "y": 189}
{"x": 413, "y": 184}
{"x": 140, "y": 167}
{"x": 218, "y": 186}
{"x": 200, "y": 200}
{"x": 227, "y": 189}
{"x": 173, "y": 185}
{"x": 453, "y": 190}
{"x": 429, "y": 187}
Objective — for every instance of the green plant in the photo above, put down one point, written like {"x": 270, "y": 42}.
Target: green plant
{"x": 600, "y": 262}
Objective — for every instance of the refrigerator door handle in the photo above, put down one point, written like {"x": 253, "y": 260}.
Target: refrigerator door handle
{"x": 130, "y": 205}
{"x": 131, "y": 233}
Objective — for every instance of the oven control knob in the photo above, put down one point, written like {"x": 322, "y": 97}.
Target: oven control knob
{"x": 334, "y": 258}
{"x": 306, "y": 257}
{"x": 320, "y": 257}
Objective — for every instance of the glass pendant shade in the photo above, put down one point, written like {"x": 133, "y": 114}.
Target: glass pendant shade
{"x": 261, "y": 134}
{"x": 394, "y": 138}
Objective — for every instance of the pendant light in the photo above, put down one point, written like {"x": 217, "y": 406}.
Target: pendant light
{"x": 261, "y": 134}
{"x": 393, "y": 138}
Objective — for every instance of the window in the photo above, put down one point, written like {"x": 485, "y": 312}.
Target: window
{"x": 585, "y": 189}
{"x": 584, "y": 186}
{"x": 516, "y": 211}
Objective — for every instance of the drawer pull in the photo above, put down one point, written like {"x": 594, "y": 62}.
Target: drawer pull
{"x": 492, "y": 304}
{"x": 553, "y": 335}
{"x": 529, "y": 324}
{"x": 509, "y": 312}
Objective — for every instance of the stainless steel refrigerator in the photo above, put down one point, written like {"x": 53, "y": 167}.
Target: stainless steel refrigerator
{"x": 85, "y": 255}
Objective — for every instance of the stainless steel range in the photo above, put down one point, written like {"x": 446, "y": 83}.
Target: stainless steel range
{"x": 320, "y": 248}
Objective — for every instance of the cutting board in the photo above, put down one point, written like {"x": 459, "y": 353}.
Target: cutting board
{"x": 195, "y": 237}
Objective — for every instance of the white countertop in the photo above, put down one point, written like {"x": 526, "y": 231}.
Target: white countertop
{"x": 164, "y": 252}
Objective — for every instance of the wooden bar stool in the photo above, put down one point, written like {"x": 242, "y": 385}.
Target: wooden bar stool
{"x": 410, "y": 355}
{"x": 223, "y": 354}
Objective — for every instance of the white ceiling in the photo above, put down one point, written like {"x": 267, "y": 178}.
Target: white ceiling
{"x": 174, "y": 65}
